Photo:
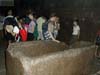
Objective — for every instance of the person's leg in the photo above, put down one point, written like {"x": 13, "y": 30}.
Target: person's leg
{"x": 98, "y": 51}
{"x": 75, "y": 39}
{"x": 41, "y": 36}
{"x": 43, "y": 33}
{"x": 30, "y": 36}
{"x": 72, "y": 40}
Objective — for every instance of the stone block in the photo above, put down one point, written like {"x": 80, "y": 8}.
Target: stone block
{"x": 48, "y": 58}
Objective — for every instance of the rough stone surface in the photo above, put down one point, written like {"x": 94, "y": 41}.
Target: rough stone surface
{"x": 48, "y": 58}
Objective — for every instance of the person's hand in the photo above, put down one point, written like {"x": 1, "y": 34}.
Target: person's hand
{"x": 57, "y": 41}
{"x": 9, "y": 28}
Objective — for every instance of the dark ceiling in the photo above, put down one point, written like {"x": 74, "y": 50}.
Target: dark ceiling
{"x": 54, "y": 4}
{"x": 60, "y": 3}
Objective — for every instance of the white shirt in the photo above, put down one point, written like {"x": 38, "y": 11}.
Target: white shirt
{"x": 76, "y": 30}
{"x": 16, "y": 30}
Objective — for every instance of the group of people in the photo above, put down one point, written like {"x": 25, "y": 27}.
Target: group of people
{"x": 29, "y": 28}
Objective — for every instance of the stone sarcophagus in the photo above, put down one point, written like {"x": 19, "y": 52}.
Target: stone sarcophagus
{"x": 49, "y": 58}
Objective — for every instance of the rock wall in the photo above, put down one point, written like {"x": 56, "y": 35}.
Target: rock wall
{"x": 48, "y": 58}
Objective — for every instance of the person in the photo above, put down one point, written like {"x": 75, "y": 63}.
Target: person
{"x": 56, "y": 27}
{"x": 31, "y": 28}
{"x": 8, "y": 25}
{"x": 75, "y": 33}
{"x": 40, "y": 22}
{"x": 27, "y": 20}
{"x": 22, "y": 35}
{"x": 48, "y": 31}
{"x": 97, "y": 43}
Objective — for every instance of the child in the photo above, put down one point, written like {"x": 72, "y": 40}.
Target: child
{"x": 75, "y": 33}
{"x": 22, "y": 36}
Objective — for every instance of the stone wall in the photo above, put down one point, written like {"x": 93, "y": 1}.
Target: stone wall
{"x": 49, "y": 58}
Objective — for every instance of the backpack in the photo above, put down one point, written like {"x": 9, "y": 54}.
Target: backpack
{"x": 8, "y": 25}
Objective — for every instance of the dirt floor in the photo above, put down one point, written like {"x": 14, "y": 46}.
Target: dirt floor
{"x": 2, "y": 61}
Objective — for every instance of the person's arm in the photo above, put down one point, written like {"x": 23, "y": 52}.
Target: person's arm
{"x": 53, "y": 39}
{"x": 51, "y": 34}
{"x": 58, "y": 26}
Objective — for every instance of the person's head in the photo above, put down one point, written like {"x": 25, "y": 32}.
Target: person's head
{"x": 53, "y": 14}
{"x": 30, "y": 16}
{"x": 52, "y": 19}
{"x": 75, "y": 22}
{"x": 20, "y": 19}
{"x": 10, "y": 12}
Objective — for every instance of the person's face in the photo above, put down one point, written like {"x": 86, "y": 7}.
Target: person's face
{"x": 53, "y": 18}
{"x": 31, "y": 16}
{"x": 75, "y": 23}
{"x": 21, "y": 20}
{"x": 57, "y": 19}
{"x": 10, "y": 12}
